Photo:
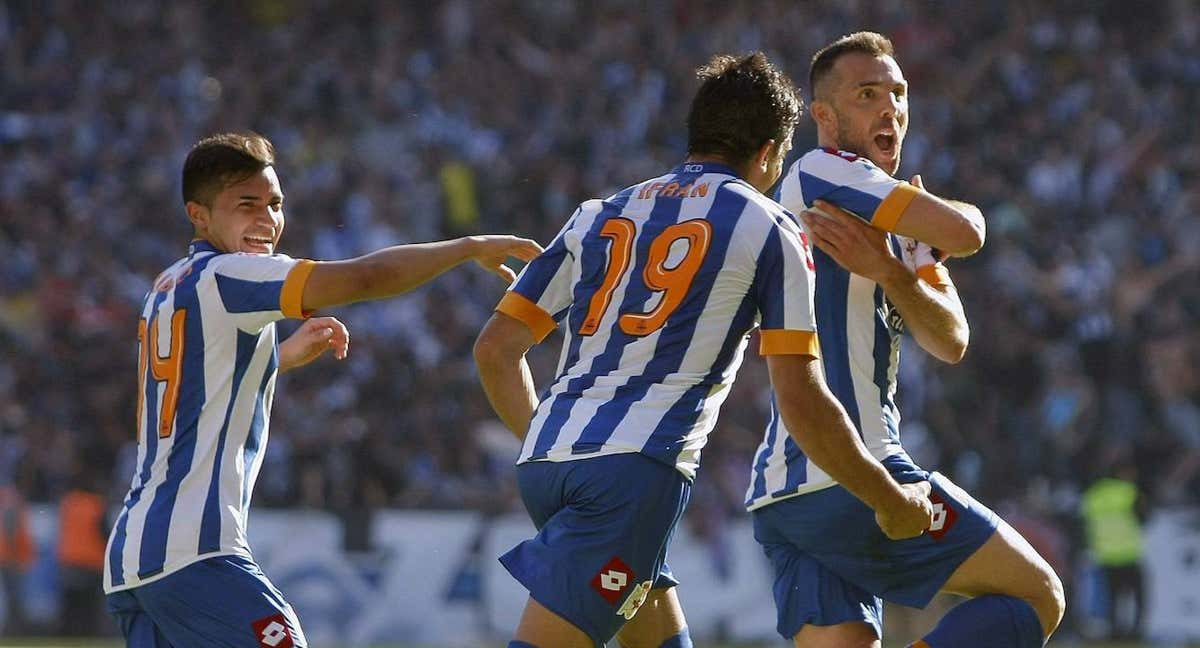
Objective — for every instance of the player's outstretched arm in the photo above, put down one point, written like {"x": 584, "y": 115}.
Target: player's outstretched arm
{"x": 500, "y": 356}
{"x": 398, "y": 269}
{"x": 824, "y": 432}
{"x": 314, "y": 337}
{"x": 932, "y": 313}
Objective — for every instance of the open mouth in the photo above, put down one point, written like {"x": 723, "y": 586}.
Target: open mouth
{"x": 886, "y": 143}
{"x": 259, "y": 243}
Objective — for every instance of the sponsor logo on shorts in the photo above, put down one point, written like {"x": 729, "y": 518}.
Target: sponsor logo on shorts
{"x": 272, "y": 632}
{"x": 944, "y": 517}
{"x": 613, "y": 579}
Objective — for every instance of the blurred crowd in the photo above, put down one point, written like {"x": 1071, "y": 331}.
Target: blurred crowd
{"x": 1075, "y": 131}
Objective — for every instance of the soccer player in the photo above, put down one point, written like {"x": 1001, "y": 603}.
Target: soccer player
{"x": 832, "y": 563}
{"x": 179, "y": 570}
{"x": 659, "y": 286}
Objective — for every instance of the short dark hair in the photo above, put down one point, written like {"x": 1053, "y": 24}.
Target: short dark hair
{"x": 742, "y": 102}
{"x": 220, "y": 160}
{"x": 863, "y": 42}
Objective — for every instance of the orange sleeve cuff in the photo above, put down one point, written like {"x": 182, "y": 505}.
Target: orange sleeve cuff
{"x": 781, "y": 342}
{"x": 291, "y": 299}
{"x": 934, "y": 274}
{"x": 519, "y": 307}
{"x": 889, "y": 211}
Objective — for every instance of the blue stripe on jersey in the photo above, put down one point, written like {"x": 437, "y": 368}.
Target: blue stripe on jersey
{"x": 832, "y": 292}
{"x": 542, "y": 269}
{"x": 664, "y": 214}
{"x": 254, "y": 440}
{"x": 597, "y": 260}
{"x": 210, "y": 519}
{"x": 760, "y": 462}
{"x": 663, "y": 443}
{"x": 187, "y": 415}
{"x": 861, "y": 203}
{"x": 797, "y": 466}
{"x": 149, "y": 429}
{"x": 244, "y": 296}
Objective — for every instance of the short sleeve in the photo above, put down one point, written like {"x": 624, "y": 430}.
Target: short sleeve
{"x": 263, "y": 288}
{"x": 783, "y": 292}
{"x": 850, "y": 182}
{"x": 542, "y": 292}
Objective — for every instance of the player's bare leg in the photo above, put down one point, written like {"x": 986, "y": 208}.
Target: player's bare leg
{"x": 542, "y": 628}
{"x": 659, "y": 619}
{"x": 1006, "y": 564}
{"x": 856, "y": 634}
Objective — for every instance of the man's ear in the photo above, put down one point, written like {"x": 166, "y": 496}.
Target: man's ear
{"x": 824, "y": 115}
{"x": 762, "y": 159}
{"x": 198, "y": 214}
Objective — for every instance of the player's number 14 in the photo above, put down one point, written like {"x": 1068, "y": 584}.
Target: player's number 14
{"x": 163, "y": 369}
{"x": 672, "y": 282}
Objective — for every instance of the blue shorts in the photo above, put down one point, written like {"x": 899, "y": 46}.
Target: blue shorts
{"x": 603, "y": 529}
{"x": 223, "y": 601}
{"x": 834, "y": 565}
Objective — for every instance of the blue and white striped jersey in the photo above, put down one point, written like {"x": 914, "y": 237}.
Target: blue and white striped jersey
{"x": 206, "y": 375}
{"x": 660, "y": 286}
{"x": 860, "y": 330}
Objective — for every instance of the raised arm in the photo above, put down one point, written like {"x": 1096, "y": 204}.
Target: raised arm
{"x": 826, "y": 435}
{"x": 398, "y": 269}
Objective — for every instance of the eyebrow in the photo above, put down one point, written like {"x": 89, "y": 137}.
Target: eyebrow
{"x": 864, "y": 84}
{"x": 255, "y": 197}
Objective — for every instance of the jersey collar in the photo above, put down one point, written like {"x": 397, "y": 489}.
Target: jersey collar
{"x": 706, "y": 167}
{"x": 200, "y": 245}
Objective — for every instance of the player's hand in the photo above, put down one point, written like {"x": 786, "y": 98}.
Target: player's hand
{"x": 855, "y": 245}
{"x": 492, "y": 251}
{"x": 910, "y": 516}
{"x": 314, "y": 337}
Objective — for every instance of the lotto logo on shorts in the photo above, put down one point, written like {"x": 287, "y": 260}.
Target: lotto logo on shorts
{"x": 944, "y": 517}
{"x": 272, "y": 632}
{"x": 612, "y": 580}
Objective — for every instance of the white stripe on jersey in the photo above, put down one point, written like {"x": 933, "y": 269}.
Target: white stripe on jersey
{"x": 861, "y": 370}
{"x": 191, "y": 501}
{"x": 659, "y": 393}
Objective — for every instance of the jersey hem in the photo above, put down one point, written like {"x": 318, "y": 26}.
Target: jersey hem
{"x": 167, "y": 571}
{"x": 802, "y": 490}
{"x": 690, "y": 475}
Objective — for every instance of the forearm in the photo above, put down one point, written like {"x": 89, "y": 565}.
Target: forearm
{"x": 974, "y": 216}
{"x": 827, "y": 437}
{"x": 934, "y": 317}
{"x": 383, "y": 273}
{"x": 508, "y": 383}
{"x": 398, "y": 269}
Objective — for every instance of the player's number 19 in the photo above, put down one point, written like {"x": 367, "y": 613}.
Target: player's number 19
{"x": 672, "y": 282}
